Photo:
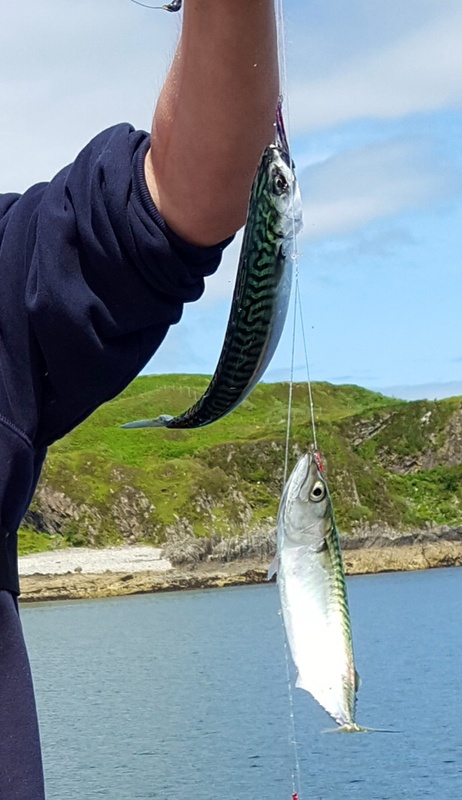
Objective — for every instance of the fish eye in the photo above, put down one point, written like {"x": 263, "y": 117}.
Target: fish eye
{"x": 280, "y": 184}
{"x": 318, "y": 492}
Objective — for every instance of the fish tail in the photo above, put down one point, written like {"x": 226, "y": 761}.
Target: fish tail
{"x": 353, "y": 727}
{"x": 348, "y": 727}
{"x": 158, "y": 422}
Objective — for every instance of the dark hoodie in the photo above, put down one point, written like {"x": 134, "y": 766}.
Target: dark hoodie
{"x": 91, "y": 278}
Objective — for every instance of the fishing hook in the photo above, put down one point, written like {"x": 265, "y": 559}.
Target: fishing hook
{"x": 175, "y": 5}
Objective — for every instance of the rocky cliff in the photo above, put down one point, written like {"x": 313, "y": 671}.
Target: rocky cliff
{"x": 394, "y": 470}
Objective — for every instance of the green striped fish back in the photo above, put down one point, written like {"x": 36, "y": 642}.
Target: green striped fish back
{"x": 340, "y": 598}
{"x": 258, "y": 309}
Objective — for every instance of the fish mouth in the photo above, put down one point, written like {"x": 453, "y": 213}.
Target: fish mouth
{"x": 304, "y": 468}
{"x": 306, "y": 475}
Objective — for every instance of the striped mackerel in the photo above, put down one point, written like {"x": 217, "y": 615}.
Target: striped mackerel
{"x": 261, "y": 294}
{"x": 313, "y": 593}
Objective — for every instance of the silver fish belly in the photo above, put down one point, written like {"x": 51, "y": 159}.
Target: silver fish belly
{"x": 313, "y": 593}
{"x": 261, "y": 294}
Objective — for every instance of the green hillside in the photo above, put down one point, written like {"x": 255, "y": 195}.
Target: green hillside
{"x": 387, "y": 461}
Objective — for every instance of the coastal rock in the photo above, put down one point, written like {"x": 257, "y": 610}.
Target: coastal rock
{"x": 371, "y": 560}
{"x": 394, "y": 470}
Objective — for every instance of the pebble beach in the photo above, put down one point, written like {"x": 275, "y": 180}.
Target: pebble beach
{"x": 84, "y": 573}
{"x": 94, "y": 562}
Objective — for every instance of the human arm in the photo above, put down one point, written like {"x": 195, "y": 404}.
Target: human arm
{"x": 214, "y": 117}
{"x": 105, "y": 276}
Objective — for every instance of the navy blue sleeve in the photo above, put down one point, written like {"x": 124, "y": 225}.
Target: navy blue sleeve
{"x": 91, "y": 278}
{"x": 106, "y": 278}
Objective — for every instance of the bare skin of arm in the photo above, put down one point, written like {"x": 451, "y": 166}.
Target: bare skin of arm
{"x": 214, "y": 117}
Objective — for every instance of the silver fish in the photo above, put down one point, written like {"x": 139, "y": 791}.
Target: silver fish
{"x": 313, "y": 593}
{"x": 261, "y": 294}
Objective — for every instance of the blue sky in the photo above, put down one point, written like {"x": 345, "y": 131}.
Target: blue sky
{"x": 374, "y": 100}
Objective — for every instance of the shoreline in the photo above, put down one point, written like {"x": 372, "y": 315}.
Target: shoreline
{"x": 81, "y": 573}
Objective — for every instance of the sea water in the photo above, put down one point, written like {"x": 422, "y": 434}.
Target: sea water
{"x": 185, "y": 695}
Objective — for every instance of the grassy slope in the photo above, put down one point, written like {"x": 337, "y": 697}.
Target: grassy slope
{"x": 228, "y": 476}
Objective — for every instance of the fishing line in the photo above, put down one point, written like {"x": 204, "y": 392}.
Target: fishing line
{"x": 293, "y": 743}
{"x": 144, "y": 5}
{"x": 283, "y": 83}
{"x": 298, "y": 301}
{"x": 296, "y": 772}
{"x": 175, "y": 5}
{"x": 280, "y": 29}
{"x": 290, "y": 402}
{"x": 298, "y": 313}
{"x": 296, "y": 776}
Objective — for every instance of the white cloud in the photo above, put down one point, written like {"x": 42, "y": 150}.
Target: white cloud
{"x": 345, "y": 192}
{"x": 68, "y": 71}
{"x": 405, "y": 69}
{"x": 353, "y": 188}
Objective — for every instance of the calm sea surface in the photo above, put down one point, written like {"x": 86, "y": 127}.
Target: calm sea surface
{"x": 185, "y": 696}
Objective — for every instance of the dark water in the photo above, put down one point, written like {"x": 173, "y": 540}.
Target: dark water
{"x": 185, "y": 696}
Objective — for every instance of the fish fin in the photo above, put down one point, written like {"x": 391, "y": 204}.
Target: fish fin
{"x": 158, "y": 422}
{"x": 353, "y": 727}
{"x": 322, "y": 546}
{"x": 357, "y": 680}
{"x": 349, "y": 727}
{"x": 273, "y": 567}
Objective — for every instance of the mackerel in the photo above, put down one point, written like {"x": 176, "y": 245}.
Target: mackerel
{"x": 313, "y": 593}
{"x": 261, "y": 294}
